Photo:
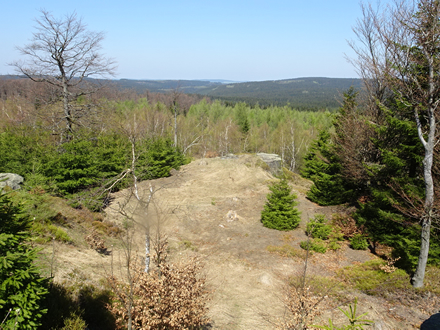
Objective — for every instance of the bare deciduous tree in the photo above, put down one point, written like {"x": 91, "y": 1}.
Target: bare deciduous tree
{"x": 399, "y": 54}
{"x": 64, "y": 53}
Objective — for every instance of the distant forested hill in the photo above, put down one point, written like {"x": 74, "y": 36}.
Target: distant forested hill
{"x": 301, "y": 93}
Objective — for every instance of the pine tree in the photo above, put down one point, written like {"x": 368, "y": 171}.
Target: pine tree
{"x": 21, "y": 288}
{"x": 323, "y": 167}
{"x": 280, "y": 212}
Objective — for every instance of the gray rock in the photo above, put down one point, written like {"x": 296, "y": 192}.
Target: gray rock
{"x": 229, "y": 156}
{"x": 11, "y": 180}
{"x": 274, "y": 162}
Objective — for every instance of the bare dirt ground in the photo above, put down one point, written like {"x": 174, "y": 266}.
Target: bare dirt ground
{"x": 211, "y": 207}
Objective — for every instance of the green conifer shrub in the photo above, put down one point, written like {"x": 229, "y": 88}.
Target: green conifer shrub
{"x": 317, "y": 245}
{"x": 280, "y": 212}
{"x": 157, "y": 158}
{"x": 322, "y": 166}
{"x": 21, "y": 287}
{"x": 359, "y": 242}
{"x": 318, "y": 227}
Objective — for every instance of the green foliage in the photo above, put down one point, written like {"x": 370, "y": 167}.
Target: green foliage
{"x": 385, "y": 184}
{"x": 322, "y": 166}
{"x": 318, "y": 227}
{"x": 317, "y": 245}
{"x": 355, "y": 321}
{"x": 370, "y": 278}
{"x": 27, "y": 151}
{"x": 74, "y": 322}
{"x": 333, "y": 245}
{"x": 359, "y": 242}
{"x": 241, "y": 117}
{"x": 46, "y": 219}
{"x": 324, "y": 236}
{"x": 79, "y": 168}
{"x": 280, "y": 212}
{"x": 83, "y": 163}
{"x": 45, "y": 232}
{"x": 21, "y": 288}
{"x": 157, "y": 158}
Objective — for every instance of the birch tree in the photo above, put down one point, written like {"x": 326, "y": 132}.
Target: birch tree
{"x": 398, "y": 55}
{"x": 63, "y": 53}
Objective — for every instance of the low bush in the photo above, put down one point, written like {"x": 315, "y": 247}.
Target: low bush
{"x": 370, "y": 278}
{"x": 316, "y": 245}
{"x": 168, "y": 297}
{"x": 333, "y": 245}
{"x": 318, "y": 227}
{"x": 359, "y": 242}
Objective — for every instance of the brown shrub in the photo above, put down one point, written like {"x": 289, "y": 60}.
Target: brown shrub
{"x": 106, "y": 228}
{"x": 95, "y": 241}
{"x": 346, "y": 224}
{"x": 169, "y": 297}
{"x": 211, "y": 154}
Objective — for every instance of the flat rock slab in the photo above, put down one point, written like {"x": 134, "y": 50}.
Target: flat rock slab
{"x": 272, "y": 160}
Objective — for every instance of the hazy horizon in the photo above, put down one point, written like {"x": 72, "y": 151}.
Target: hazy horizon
{"x": 240, "y": 40}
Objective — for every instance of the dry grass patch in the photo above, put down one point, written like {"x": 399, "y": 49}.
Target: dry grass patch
{"x": 287, "y": 250}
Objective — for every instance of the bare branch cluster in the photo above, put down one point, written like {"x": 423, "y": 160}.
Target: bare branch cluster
{"x": 63, "y": 49}
{"x": 302, "y": 306}
{"x": 63, "y": 53}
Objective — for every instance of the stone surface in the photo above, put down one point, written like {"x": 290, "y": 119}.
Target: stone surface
{"x": 11, "y": 180}
{"x": 274, "y": 162}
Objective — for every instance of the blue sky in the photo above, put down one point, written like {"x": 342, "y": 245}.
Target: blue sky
{"x": 239, "y": 40}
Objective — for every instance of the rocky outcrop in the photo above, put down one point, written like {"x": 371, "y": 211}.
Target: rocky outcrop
{"x": 11, "y": 180}
{"x": 273, "y": 161}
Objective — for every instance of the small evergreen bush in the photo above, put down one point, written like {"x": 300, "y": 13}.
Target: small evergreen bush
{"x": 317, "y": 245}
{"x": 318, "y": 227}
{"x": 333, "y": 245}
{"x": 359, "y": 242}
{"x": 280, "y": 212}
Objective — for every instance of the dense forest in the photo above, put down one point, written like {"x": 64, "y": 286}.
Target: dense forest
{"x": 301, "y": 93}
{"x": 313, "y": 94}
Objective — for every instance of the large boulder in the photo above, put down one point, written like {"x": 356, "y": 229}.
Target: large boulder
{"x": 11, "y": 180}
{"x": 274, "y": 162}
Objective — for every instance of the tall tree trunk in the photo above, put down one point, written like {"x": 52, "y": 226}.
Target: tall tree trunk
{"x": 67, "y": 113}
{"x": 175, "y": 126}
{"x": 419, "y": 275}
{"x": 428, "y": 144}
